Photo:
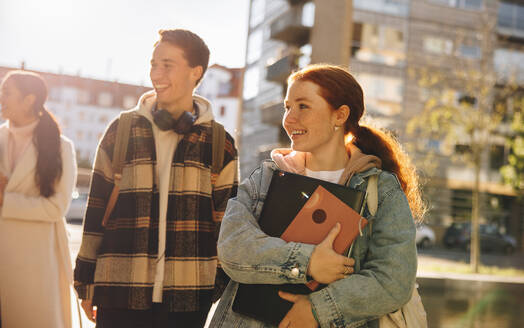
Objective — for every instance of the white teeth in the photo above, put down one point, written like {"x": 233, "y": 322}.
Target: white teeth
{"x": 161, "y": 86}
{"x": 298, "y": 132}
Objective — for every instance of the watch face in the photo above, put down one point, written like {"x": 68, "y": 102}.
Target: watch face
{"x": 319, "y": 215}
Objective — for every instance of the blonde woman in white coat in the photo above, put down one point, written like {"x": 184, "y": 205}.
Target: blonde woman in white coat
{"x": 37, "y": 176}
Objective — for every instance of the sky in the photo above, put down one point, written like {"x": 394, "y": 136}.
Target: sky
{"x": 113, "y": 39}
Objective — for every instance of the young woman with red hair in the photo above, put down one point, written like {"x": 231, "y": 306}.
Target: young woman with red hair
{"x": 323, "y": 108}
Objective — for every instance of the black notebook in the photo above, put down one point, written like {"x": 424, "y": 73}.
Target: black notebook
{"x": 286, "y": 196}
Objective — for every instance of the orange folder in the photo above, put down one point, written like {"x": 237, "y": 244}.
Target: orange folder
{"x": 318, "y": 216}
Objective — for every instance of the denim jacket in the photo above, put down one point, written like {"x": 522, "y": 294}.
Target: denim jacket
{"x": 385, "y": 259}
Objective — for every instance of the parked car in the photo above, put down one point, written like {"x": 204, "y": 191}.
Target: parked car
{"x": 491, "y": 239}
{"x": 425, "y": 236}
{"x": 77, "y": 207}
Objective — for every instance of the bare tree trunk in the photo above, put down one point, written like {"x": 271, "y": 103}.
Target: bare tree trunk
{"x": 475, "y": 242}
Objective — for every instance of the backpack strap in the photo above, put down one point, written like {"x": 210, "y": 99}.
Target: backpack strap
{"x": 119, "y": 155}
{"x": 122, "y": 140}
{"x": 372, "y": 194}
{"x": 372, "y": 198}
{"x": 219, "y": 141}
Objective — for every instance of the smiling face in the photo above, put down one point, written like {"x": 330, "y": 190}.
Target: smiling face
{"x": 309, "y": 120}
{"x": 172, "y": 77}
{"x": 16, "y": 107}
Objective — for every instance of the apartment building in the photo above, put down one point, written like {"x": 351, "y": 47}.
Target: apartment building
{"x": 382, "y": 42}
{"x": 223, "y": 87}
{"x": 84, "y": 107}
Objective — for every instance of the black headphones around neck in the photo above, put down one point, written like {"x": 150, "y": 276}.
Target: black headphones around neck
{"x": 165, "y": 121}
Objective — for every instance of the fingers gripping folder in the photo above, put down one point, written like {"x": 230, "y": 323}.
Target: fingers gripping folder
{"x": 312, "y": 207}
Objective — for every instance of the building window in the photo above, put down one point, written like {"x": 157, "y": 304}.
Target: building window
{"x": 392, "y": 7}
{"x": 469, "y": 52}
{"x": 472, "y": 4}
{"x": 55, "y": 94}
{"x": 305, "y": 55}
{"x": 438, "y": 45}
{"x": 461, "y": 204}
{"x": 129, "y": 101}
{"x": 79, "y": 135}
{"x": 251, "y": 82}
{"x": 456, "y": 98}
{"x": 222, "y": 111}
{"x": 509, "y": 63}
{"x": 81, "y": 116}
{"x": 463, "y": 4}
{"x": 506, "y": 15}
{"x": 378, "y": 43}
{"x": 84, "y": 97}
{"x": 258, "y": 8}
{"x": 511, "y": 16}
{"x": 383, "y": 94}
{"x": 465, "y": 99}
{"x": 65, "y": 123}
{"x": 462, "y": 149}
{"x": 308, "y": 14}
{"x": 224, "y": 88}
{"x": 103, "y": 119}
{"x": 105, "y": 99}
{"x": 496, "y": 157}
{"x": 433, "y": 145}
{"x": 254, "y": 46}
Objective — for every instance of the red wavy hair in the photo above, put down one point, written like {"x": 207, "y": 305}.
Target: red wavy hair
{"x": 339, "y": 87}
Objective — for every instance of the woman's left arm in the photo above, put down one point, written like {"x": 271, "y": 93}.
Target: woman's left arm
{"x": 388, "y": 269}
{"x": 38, "y": 208}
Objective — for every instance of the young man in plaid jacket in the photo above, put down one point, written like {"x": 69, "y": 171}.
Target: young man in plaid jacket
{"x": 154, "y": 262}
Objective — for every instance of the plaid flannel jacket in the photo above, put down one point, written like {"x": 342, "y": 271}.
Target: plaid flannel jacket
{"x": 116, "y": 264}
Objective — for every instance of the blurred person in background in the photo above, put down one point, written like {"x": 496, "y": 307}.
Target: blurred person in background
{"x": 37, "y": 177}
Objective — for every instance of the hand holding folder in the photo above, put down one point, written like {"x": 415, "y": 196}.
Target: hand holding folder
{"x": 286, "y": 198}
{"x": 318, "y": 216}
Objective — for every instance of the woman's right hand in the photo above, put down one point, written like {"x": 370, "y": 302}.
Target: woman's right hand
{"x": 327, "y": 266}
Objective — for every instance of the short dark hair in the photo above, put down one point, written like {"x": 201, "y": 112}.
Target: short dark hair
{"x": 195, "y": 49}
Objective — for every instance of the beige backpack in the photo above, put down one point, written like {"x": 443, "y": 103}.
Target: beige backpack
{"x": 412, "y": 314}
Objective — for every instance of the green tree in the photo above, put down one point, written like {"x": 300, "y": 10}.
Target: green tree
{"x": 462, "y": 109}
{"x": 513, "y": 172}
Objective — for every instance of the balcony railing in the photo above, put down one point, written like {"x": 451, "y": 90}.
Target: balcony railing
{"x": 280, "y": 70}
{"x": 290, "y": 27}
{"x": 272, "y": 114}
{"x": 295, "y": 2}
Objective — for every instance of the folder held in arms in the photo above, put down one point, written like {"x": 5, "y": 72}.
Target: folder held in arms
{"x": 301, "y": 209}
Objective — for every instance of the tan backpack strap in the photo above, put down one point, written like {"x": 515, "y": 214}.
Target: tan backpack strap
{"x": 219, "y": 140}
{"x": 119, "y": 155}
{"x": 372, "y": 198}
{"x": 372, "y": 194}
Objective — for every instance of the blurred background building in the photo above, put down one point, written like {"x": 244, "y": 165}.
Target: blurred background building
{"x": 223, "y": 87}
{"x": 385, "y": 42}
{"x": 84, "y": 107}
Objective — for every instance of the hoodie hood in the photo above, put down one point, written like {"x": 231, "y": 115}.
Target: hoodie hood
{"x": 294, "y": 161}
{"x": 148, "y": 100}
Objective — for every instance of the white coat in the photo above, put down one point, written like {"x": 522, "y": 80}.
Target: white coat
{"x": 35, "y": 262}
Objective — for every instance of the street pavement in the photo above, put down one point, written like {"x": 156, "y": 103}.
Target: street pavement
{"x": 75, "y": 238}
{"x": 427, "y": 258}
